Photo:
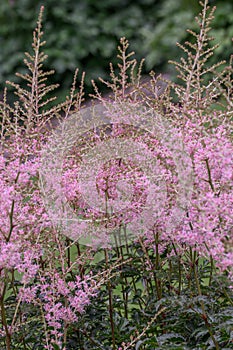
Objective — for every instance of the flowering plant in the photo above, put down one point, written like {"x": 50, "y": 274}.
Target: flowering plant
{"x": 118, "y": 217}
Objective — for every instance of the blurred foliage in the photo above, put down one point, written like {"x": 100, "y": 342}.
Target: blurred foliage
{"x": 173, "y": 18}
{"x": 85, "y": 33}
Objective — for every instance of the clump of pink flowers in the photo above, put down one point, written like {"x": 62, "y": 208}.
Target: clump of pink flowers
{"x": 31, "y": 247}
{"x": 204, "y": 220}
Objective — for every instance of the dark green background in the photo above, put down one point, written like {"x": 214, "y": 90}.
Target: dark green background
{"x": 85, "y": 34}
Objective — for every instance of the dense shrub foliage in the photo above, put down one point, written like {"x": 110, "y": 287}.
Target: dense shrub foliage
{"x": 117, "y": 218}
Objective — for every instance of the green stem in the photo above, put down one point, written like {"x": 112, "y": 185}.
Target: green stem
{"x": 4, "y": 321}
{"x": 157, "y": 266}
{"x": 110, "y": 305}
{"x": 204, "y": 315}
{"x": 211, "y": 270}
{"x": 180, "y": 276}
{"x": 157, "y": 262}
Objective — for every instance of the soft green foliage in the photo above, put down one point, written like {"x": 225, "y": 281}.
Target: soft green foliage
{"x": 153, "y": 311}
{"x": 80, "y": 34}
{"x": 173, "y": 17}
